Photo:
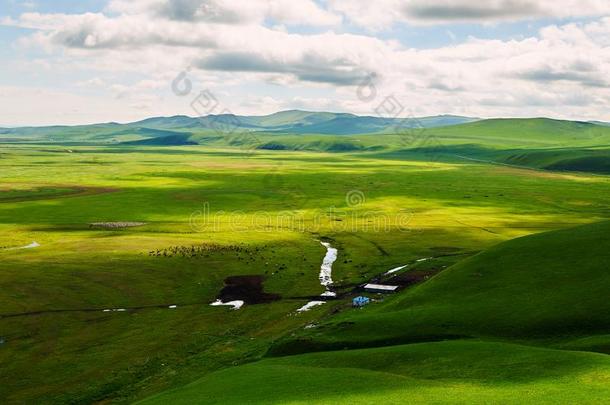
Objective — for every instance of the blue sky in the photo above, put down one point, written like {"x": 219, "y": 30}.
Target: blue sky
{"x": 68, "y": 62}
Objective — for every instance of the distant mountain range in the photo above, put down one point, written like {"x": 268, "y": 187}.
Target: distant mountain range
{"x": 292, "y": 121}
{"x": 185, "y": 130}
{"x": 299, "y": 122}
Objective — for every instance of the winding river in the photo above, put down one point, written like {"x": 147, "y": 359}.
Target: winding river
{"x": 326, "y": 280}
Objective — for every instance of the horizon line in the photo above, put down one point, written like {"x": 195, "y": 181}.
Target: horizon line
{"x": 17, "y": 126}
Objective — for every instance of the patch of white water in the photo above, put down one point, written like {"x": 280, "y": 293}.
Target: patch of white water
{"x": 326, "y": 280}
{"x": 394, "y": 270}
{"x": 326, "y": 270}
{"x": 30, "y": 246}
{"x": 310, "y": 305}
{"x": 235, "y": 304}
{"x": 423, "y": 260}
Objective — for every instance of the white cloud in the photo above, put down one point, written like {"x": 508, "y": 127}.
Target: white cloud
{"x": 297, "y": 12}
{"x": 66, "y": 107}
{"x": 303, "y": 12}
{"x": 382, "y": 14}
{"x": 94, "y": 82}
{"x": 318, "y": 58}
{"x": 561, "y": 71}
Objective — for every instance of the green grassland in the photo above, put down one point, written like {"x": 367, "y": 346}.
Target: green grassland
{"x": 465, "y": 372}
{"x": 536, "y": 142}
{"x": 499, "y": 327}
{"x": 262, "y": 212}
{"x": 510, "y": 291}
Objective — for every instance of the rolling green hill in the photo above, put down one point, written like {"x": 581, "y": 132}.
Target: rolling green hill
{"x": 536, "y": 143}
{"x": 463, "y": 372}
{"x": 299, "y": 122}
{"x": 577, "y": 159}
{"x": 131, "y": 317}
{"x": 540, "y": 143}
{"x": 531, "y": 287}
{"x": 528, "y": 290}
{"x": 510, "y": 324}
{"x": 530, "y": 132}
{"x": 291, "y": 122}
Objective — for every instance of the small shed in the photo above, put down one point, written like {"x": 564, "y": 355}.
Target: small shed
{"x": 380, "y": 288}
{"x": 360, "y": 301}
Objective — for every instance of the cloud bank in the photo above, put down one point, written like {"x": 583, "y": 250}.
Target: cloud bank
{"x": 265, "y": 55}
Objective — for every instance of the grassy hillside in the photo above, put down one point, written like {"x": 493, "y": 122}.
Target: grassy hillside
{"x": 533, "y": 132}
{"x": 297, "y": 118}
{"x": 226, "y": 125}
{"x": 538, "y": 143}
{"x": 525, "y": 289}
{"x": 530, "y": 287}
{"x": 578, "y": 159}
{"x": 535, "y": 143}
{"x": 267, "y": 212}
{"x": 464, "y": 372}
{"x": 162, "y": 138}
{"x": 493, "y": 134}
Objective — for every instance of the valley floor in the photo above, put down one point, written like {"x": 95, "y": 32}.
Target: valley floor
{"x": 98, "y": 313}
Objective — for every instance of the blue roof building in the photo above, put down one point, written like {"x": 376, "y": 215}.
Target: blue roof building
{"x": 360, "y": 301}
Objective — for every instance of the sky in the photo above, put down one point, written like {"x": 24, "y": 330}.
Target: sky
{"x": 90, "y": 61}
